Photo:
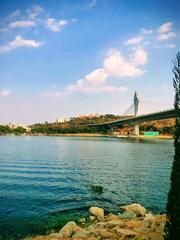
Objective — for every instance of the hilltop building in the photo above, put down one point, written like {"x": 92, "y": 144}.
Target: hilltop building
{"x": 62, "y": 120}
{"x": 91, "y": 115}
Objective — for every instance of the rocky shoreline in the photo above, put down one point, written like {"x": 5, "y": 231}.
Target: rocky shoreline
{"x": 133, "y": 223}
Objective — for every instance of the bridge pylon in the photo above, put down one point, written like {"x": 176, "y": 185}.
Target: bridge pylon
{"x": 136, "y": 105}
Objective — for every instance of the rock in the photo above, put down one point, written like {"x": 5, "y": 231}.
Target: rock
{"x": 133, "y": 224}
{"x": 113, "y": 223}
{"x": 82, "y": 220}
{"x": 82, "y": 234}
{"x": 136, "y": 208}
{"x": 100, "y": 224}
{"x": 69, "y": 229}
{"x": 112, "y": 217}
{"x": 148, "y": 217}
{"x": 55, "y": 235}
{"x": 92, "y": 218}
{"x": 158, "y": 223}
{"x": 126, "y": 232}
{"x": 113, "y": 227}
{"x": 106, "y": 234}
{"x": 127, "y": 215}
{"x": 97, "y": 212}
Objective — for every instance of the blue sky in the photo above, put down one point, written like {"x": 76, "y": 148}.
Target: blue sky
{"x": 65, "y": 58}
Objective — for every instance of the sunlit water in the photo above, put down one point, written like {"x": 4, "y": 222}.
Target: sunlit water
{"x": 40, "y": 176}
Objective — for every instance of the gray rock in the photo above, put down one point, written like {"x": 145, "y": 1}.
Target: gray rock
{"x": 127, "y": 215}
{"x": 136, "y": 208}
{"x": 97, "y": 212}
{"x": 81, "y": 234}
{"x": 92, "y": 218}
{"x": 69, "y": 229}
{"x": 126, "y": 232}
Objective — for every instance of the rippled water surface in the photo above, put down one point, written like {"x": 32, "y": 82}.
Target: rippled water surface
{"x": 41, "y": 176}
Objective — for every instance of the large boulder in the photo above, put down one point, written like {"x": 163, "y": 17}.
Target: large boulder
{"x": 126, "y": 233}
{"x": 97, "y": 212}
{"x": 69, "y": 229}
{"x": 127, "y": 215}
{"x": 135, "y": 208}
{"x": 112, "y": 217}
{"x": 83, "y": 234}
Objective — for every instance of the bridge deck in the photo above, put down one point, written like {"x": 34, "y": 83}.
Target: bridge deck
{"x": 138, "y": 119}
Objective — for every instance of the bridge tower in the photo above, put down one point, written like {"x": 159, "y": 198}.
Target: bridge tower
{"x": 136, "y": 104}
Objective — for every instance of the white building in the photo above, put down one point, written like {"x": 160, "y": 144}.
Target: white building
{"x": 14, "y": 126}
{"x": 62, "y": 120}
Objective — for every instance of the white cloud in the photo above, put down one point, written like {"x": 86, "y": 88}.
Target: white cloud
{"x": 34, "y": 11}
{"x": 165, "y": 32}
{"x": 146, "y": 31}
{"x": 114, "y": 65}
{"x": 68, "y": 90}
{"x": 146, "y": 43}
{"x": 92, "y": 3}
{"x": 166, "y": 27}
{"x": 5, "y": 92}
{"x": 92, "y": 82}
{"x": 157, "y": 46}
{"x": 15, "y": 13}
{"x": 170, "y": 45}
{"x": 19, "y": 42}
{"x": 97, "y": 76}
{"x": 54, "y": 25}
{"x": 166, "y": 36}
{"x": 117, "y": 66}
{"x": 22, "y": 24}
{"x": 139, "y": 57}
{"x": 134, "y": 41}
{"x": 93, "y": 89}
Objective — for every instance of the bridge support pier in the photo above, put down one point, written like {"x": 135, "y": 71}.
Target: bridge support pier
{"x": 136, "y": 130}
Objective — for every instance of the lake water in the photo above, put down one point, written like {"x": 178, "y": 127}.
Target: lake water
{"x": 42, "y": 178}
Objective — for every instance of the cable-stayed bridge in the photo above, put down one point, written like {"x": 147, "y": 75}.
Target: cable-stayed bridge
{"x": 137, "y": 119}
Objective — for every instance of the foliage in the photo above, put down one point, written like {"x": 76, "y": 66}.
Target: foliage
{"x": 149, "y": 127}
{"x": 57, "y": 221}
{"x": 75, "y": 125}
{"x": 172, "y": 228}
{"x": 96, "y": 188}
{"x": 19, "y": 130}
{"x": 5, "y": 129}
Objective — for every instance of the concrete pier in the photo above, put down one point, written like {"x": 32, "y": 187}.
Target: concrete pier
{"x": 136, "y": 130}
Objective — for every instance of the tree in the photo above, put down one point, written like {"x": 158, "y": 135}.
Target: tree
{"x": 172, "y": 228}
{"x": 19, "y": 130}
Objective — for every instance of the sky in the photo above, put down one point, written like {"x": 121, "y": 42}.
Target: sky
{"x": 63, "y": 58}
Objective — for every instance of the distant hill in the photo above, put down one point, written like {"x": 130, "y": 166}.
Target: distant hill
{"x": 73, "y": 126}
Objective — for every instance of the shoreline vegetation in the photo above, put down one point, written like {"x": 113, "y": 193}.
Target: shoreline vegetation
{"x": 93, "y": 135}
{"x": 134, "y": 222}
{"x": 74, "y": 127}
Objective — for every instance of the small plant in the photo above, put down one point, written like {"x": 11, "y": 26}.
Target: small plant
{"x": 57, "y": 221}
{"x": 96, "y": 188}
